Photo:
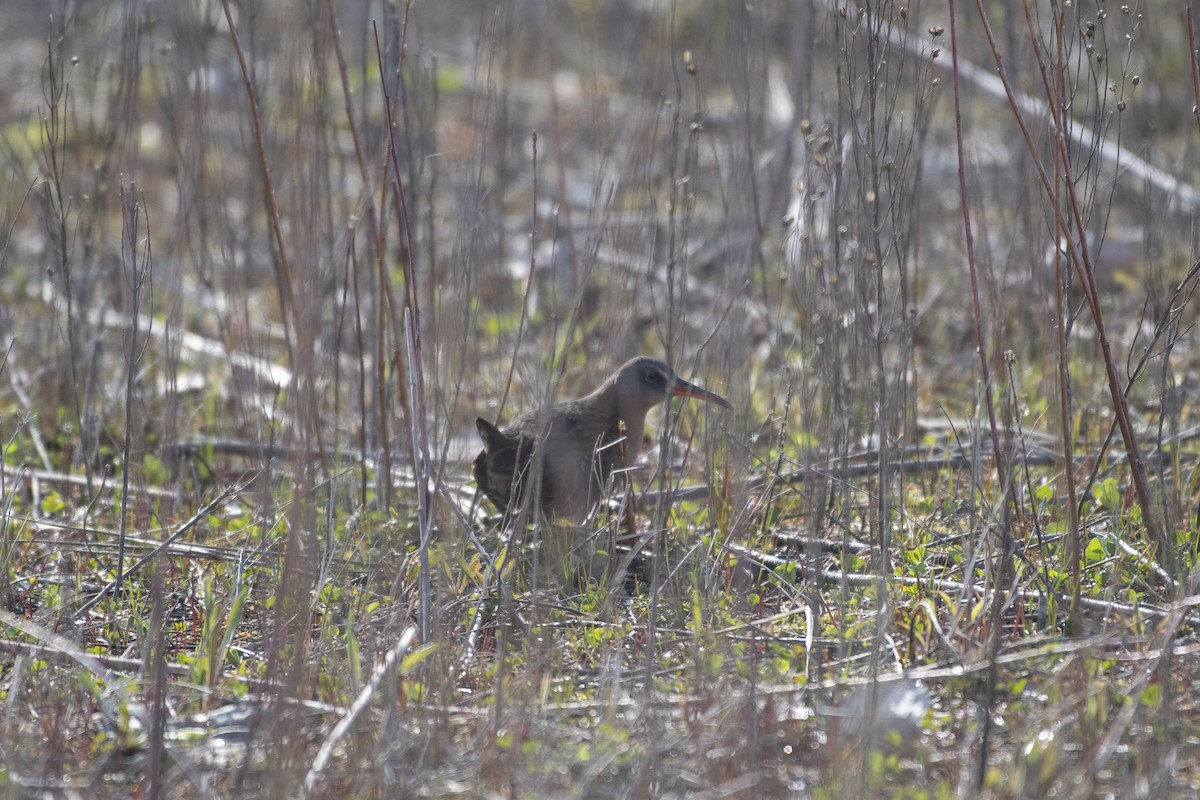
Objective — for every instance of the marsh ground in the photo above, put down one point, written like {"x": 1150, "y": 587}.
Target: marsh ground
{"x": 256, "y": 288}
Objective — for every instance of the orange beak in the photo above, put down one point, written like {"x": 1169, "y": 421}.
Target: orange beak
{"x": 690, "y": 390}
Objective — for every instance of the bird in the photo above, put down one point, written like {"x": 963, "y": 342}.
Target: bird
{"x": 580, "y": 443}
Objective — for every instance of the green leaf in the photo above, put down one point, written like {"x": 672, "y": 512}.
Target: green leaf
{"x": 416, "y": 657}
{"x": 53, "y": 503}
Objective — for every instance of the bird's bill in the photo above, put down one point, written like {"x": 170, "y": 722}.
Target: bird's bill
{"x": 684, "y": 389}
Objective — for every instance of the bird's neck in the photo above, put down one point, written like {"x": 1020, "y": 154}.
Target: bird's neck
{"x": 635, "y": 434}
{"x": 634, "y": 419}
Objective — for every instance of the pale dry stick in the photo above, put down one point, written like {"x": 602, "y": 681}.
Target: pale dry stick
{"x": 35, "y": 433}
{"x": 840, "y": 470}
{"x": 483, "y": 598}
{"x": 420, "y": 456}
{"x": 43, "y": 538}
{"x": 204, "y": 511}
{"x": 1122, "y": 162}
{"x": 48, "y": 638}
{"x": 274, "y": 375}
{"x": 49, "y": 652}
{"x": 1146, "y": 563}
{"x": 833, "y": 577}
{"x": 68, "y": 479}
{"x": 117, "y": 664}
{"x": 113, "y": 682}
{"x": 1024, "y": 652}
{"x": 382, "y": 672}
{"x": 1084, "y": 775}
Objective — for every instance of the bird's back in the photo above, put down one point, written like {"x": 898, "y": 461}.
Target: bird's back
{"x": 578, "y": 452}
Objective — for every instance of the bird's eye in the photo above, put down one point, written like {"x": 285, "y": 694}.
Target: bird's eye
{"x": 653, "y": 377}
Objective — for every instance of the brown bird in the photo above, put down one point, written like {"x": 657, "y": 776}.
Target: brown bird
{"x": 580, "y": 442}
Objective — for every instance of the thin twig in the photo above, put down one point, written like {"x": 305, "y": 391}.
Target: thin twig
{"x": 382, "y": 672}
{"x": 207, "y": 509}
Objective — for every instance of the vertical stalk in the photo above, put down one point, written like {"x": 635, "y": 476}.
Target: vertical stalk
{"x": 137, "y": 276}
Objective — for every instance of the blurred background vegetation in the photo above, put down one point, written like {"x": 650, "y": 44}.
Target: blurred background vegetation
{"x": 262, "y": 264}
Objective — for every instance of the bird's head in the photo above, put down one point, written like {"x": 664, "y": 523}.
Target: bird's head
{"x": 645, "y": 382}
